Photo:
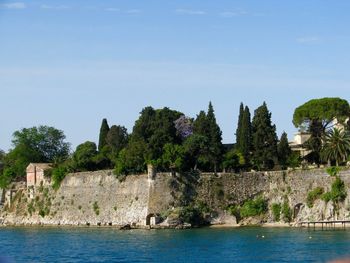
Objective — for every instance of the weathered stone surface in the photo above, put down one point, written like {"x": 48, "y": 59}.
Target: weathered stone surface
{"x": 98, "y": 198}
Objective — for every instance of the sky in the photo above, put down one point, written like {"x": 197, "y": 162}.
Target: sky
{"x": 68, "y": 64}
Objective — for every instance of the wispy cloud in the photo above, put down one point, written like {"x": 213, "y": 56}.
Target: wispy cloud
{"x": 133, "y": 11}
{"x": 239, "y": 12}
{"x": 112, "y": 9}
{"x": 308, "y": 40}
{"x": 55, "y": 7}
{"x": 15, "y": 5}
{"x": 190, "y": 12}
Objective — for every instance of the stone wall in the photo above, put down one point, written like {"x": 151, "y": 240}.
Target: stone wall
{"x": 98, "y": 198}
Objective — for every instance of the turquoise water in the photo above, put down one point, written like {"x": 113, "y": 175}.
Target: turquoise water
{"x": 196, "y": 245}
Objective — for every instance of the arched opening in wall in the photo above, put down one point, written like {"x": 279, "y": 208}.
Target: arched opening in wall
{"x": 152, "y": 219}
{"x": 297, "y": 209}
{"x": 148, "y": 219}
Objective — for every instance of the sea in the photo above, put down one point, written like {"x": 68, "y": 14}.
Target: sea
{"x": 244, "y": 244}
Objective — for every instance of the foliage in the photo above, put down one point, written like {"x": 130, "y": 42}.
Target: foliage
{"x": 6, "y": 177}
{"x": 276, "y": 211}
{"x": 173, "y": 157}
{"x": 58, "y": 174}
{"x": 116, "y": 139}
{"x": 96, "y": 208}
{"x": 333, "y": 170}
{"x": 84, "y": 156}
{"x": 103, "y": 134}
{"x": 234, "y": 210}
{"x": 257, "y": 206}
{"x": 336, "y": 146}
{"x": 233, "y": 160}
{"x": 196, "y": 151}
{"x": 294, "y": 160}
{"x": 239, "y": 134}
{"x": 338, "y": 192}
{"x": 314, "y": 143}
{"x": 286, "y": 211}
{"x": 244, "y": 132}
{"x": 264, "y": 139}
{"x": 283, "y": 150}
{"x": 205, "y": 125}
{"x": 192, "y": 215}
{"x": 36, "y": 144}
{"x": 156, "y": 128}
{"x": 132, "y": 159}
{"x": 323, "y": 110}
{"x": 313, "y": 195}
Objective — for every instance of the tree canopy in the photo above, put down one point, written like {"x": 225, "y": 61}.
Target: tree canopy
{"x": 323, "y": 110}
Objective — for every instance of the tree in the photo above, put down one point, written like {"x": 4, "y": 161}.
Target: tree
{"x": 83, "y": 158}
{"x": 201, "y": 125}
{"x": 233, "y": 161}
{"x": 103, "y": 134}
{"x": 264, "y": 139}
{"x": 173, "y": 157}
{"x": 133, "y": 158}
{"x": 36, "y": 144}
{"x": 196, "y": 152}
{"x": 246, "y": 134}
{"x": 336, "y": 147}
{"x": 239, "y": 127}
{"x": 283, "y": 150}
{"x": 117, "y": 138}
{"x": 323, "y": 111}
{"x": 215, "y": 139}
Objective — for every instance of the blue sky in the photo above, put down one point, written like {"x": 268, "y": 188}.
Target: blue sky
{"x": 69, "y": 64}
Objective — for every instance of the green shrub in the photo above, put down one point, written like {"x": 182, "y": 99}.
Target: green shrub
{"x": 338, "y": 192}
{"x": 234, "y": 210}
{"x": 58, "y": 174}
{"x": 6, "y": 177}
{"x": 257, "y": 206}
{"x": 286, "y": 212}
{"x": 192, "y": 215}
{"x": 333, "y": 170}
{"x": 313, "y": 195}
{"x": 96, "y": 208}
{"x": 276, "y": 211}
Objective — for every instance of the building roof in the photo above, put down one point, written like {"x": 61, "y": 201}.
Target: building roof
{"x": 43, "y": 166}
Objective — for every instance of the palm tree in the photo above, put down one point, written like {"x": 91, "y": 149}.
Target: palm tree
{"x": 336, "y": 146}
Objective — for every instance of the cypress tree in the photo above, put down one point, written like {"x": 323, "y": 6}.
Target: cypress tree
{"x": 264, "y": 139}
{"x": 200, "y": 125}
{"x": 215, "y": 138}
{"x": 239, "y": 126}
{"x": 103, "y": 134}
{"x": 246, "y": 134}
{"x": 284, "y": 150}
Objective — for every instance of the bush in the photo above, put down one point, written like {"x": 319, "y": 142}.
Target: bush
{"x": 276, "y": 211}
{"x": 192, "y": 215}
{"x": 58, "y": 174}
{"x": 6, "y": 177}
{"x": 286, "y": 211}
{"x": 257, "y": 206}
{"x": 333, "y": 170}
{"x": 96, "y": 208}
{"x": 338, "y": 192}
{"x": 313, "y": 195}
{"x": 234, "y": 210}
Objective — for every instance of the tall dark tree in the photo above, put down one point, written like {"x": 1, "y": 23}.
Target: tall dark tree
{"x": 284, "y": 151}
{"x": 215, "y": 138}
{"x": 264, "y": 139}
{"x": 103, "y": 134}
{"x": 246, "y": 134}
{"x": 117, "y": 138}
{"x": 239, "y": 127}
